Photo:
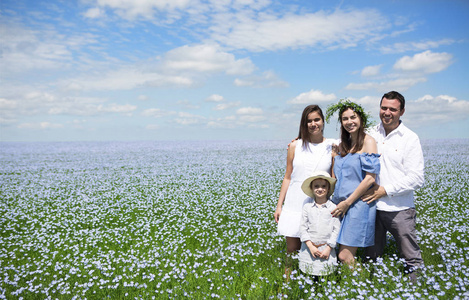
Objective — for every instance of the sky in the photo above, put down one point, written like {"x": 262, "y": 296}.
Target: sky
{"x": 124, "y": 70}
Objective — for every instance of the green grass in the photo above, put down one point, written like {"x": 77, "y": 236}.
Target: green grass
{"x": 200, "y": 227}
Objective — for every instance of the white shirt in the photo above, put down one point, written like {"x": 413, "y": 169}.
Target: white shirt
{"x": 318, "y": 225}
{"x": 402, "y": 166}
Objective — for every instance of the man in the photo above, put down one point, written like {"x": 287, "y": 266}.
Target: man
{"x": 402, "y": 172}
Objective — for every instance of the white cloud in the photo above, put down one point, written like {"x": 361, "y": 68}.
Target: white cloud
{"x": 250, "y": 115}
{"x": 249, "y": 24}
{"x": 79, "y": 108}
{"x": 131, "y": 9}
{"x": 78, "y": 124}
{"x": 156, "y": 113}
{"x": 43, "y": 103}
{"x": 410, "y": 71}
{"x": 188, "y": 105}
{"x": 116, "y": 108}
{"x": 167, "y": 11}
{"x": 26, "y": 50}
{"x": 264, "y": 32}
{"x": 243, "y": 82}
{"x": 371, "y": 71}
{"x": 185, "y": 118}
{"x": 222, "y": 103}
{"x": 266, "y": 80}
{"x": 226, "y": 122}
{"x": 426, "y": 62}
{"x": 415, "y": 46}
{"x": 7, "y": 120}
{"x": 215, "y": 98}
{"x": 311, "y": 97}
{"x": 180, "y": 67}
{"x": 239, "y": 4}
{"x": 40, "y": 125}
{"x": 271, "y": 80}
{"x": 249, "y": 111}
{"x": 205, "y": 59}
{"x": 444, "y": 98}
{"x": 251, "y": 119}
{"x": 94, "y": 13}
{"x": 244, "y": 117}
{"x": 6, "y": 104}
{"x": 153, "y": 127}
{"x": 227, "y": 105}
{"x": 444, "y": 109}
{"x": 126, "y": 79}
{"x": 370, "y": 103}
{"x": 400, "y": 84}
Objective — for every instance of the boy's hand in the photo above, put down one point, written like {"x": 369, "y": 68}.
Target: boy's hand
{"x": 326, "y": 252}
{"x": 314, "y": 251}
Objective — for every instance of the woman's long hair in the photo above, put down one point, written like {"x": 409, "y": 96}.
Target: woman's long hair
{"x": 345, "y": 137}
{"x": 304, "y": 132}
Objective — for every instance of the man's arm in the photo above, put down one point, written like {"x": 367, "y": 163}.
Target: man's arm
{"x": 412, "y": 180}
{"x": 413, "y": 164}
{"x": 374, "y": 193}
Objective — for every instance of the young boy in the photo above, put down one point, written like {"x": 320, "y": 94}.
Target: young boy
{"x": 318, "y": 229}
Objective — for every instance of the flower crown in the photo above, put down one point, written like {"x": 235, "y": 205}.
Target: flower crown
{"x": 343, "y": 105}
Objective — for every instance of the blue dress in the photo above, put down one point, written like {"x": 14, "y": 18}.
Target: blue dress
{"x": 358, "y": 224}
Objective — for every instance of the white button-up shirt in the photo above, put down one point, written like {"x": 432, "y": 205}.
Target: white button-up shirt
{"x": 402, "y": 166}
{"x": 318, "y": 225}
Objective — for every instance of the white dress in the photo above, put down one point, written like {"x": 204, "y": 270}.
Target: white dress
{"x": 306, "y": 160}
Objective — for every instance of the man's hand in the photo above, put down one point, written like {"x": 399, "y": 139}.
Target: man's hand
{"x": 374, "y": 193}
{"x": 335, "y": 150}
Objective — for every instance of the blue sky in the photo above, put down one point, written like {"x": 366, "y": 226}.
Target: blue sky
{"x": 225, "y": 69}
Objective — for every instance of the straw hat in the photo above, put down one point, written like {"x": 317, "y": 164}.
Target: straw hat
{"x": 306, "y": 186}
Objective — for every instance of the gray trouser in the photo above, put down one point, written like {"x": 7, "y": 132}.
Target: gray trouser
{"x": 401, "y": 224}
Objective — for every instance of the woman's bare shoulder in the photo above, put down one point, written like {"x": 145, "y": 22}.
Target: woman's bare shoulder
{"x": 369, "y": 138}
{"x": 369, "y": 144}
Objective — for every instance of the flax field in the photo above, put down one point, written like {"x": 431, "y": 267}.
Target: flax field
{"x": 194, "y": 220}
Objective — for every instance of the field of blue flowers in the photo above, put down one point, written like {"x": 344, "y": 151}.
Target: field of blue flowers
{"x": 171, "y": 220}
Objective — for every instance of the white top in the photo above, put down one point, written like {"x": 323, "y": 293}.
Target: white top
{"x": 306, "y": 160}
{"x": 402, "y": 166}
{"x": 318, "y": 225}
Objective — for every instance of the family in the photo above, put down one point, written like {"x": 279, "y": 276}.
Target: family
{"x": 371, "y": 174}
